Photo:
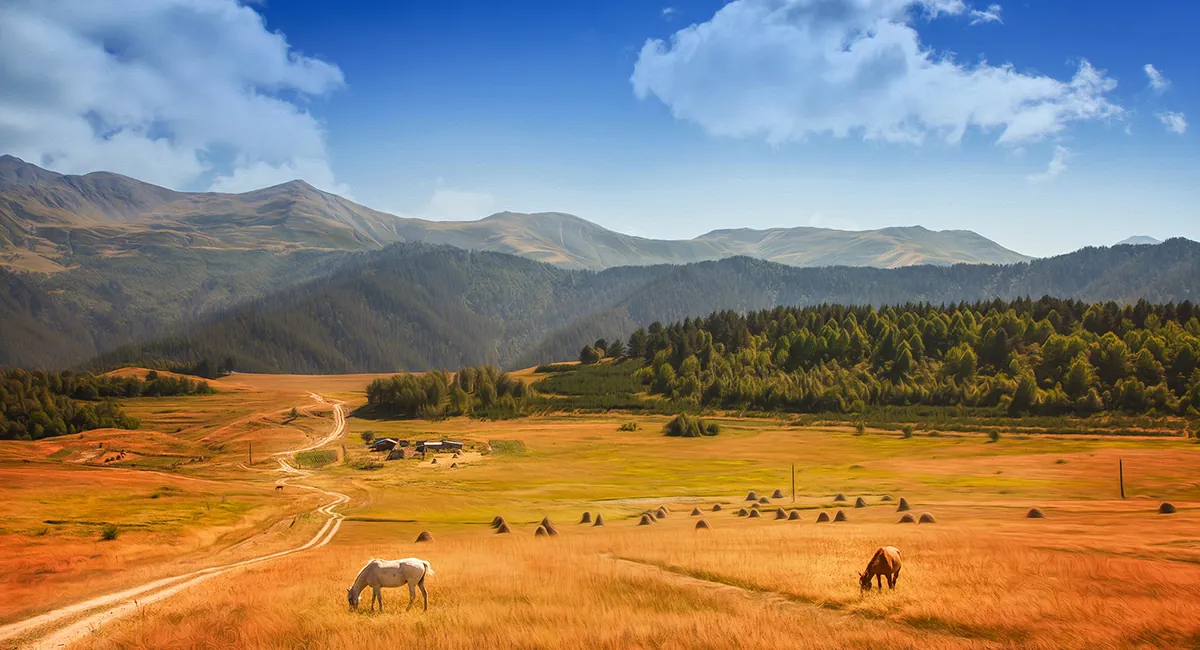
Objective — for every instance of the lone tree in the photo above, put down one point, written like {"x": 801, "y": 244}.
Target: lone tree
{"x": 589, "y": 355}
{"x": 367, "y": 436}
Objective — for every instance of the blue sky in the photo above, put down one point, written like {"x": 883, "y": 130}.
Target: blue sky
{"x": 1036, "y": 124}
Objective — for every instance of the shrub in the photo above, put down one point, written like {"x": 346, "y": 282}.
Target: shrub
{"x": 907, "y": 430}
{"x": 109, "y": 532}
{"x": 993, "y": 436}
{"x": 860, "y": 427}
{"x": 364, "y": 464}
{"x": 690, "y": 426}
{"x": 628, "y": 426}
{"x": 367, "y": 436}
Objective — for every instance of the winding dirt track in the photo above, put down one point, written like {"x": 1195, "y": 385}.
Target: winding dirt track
{"x": 103, "y": 609}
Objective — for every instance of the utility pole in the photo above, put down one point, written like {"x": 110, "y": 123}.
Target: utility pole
{"x": 793, "y": 482}
{"x": 1121, "y": 476}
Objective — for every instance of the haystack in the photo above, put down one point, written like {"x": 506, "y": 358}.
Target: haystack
{"x": 433, "y": 462}
{"x": 549, "y": 526}
{"x": 599, "y": 520}
{"x": 453, "y": 465}
{"x": 696, "y": 511}
{"x": 752, "y": 496}
{"x": 545, "y": 521}
{"x": 424, "y": 537}
{"x": 646, "y": 520}
{"x": 1166, "y": 509}
{"x": 540, "y": 532}
{"x": 780, "y": 513}
{"x": 503, "y": 528}
{"x": 716, "y": 507}
{"x": 754, "y": 506}
{"x": 777, "y": 494}
{"x": 795, "y": 515}
{"x": 860, "y": 503}
{"x": 661, "y": 513}
{"x": 497, "y": 521}
{"x": 839, "y": 497}
{"x": 764, "y": 500}
{"x": 742, "y": 512}
{"x": 886, "y": 497}
{"x": 907, "y": 519}
{"x": 1034, "y": 513}
{"x": 665, "y": 507}
{"x": 457, "y": 454}
{"x": 927, "y": 518}
{"x": 754, "y": 514}
{"x": 823, "y": 517}
{"x": 586, "y": 518}
{"x": 903, "y": 507}
{"x": 702, "y": 525}
{"x": 840, "y": 516}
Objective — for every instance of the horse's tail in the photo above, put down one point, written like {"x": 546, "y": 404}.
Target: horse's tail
{"x": 428, "y": 570}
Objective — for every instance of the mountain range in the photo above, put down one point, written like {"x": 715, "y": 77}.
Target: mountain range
{"x": 46, "y": 218}
{"x": 103, "y": 270}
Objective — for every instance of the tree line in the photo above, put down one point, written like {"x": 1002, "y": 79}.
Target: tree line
{"x": 40, "y": 404}
{"x": 481, "y": 391}
{"x": 1048, "y": 357}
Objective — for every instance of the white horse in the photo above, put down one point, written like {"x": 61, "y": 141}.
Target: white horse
{"x": 391, "y": 573}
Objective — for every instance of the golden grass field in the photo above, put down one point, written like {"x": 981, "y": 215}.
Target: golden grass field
{"x": 1098, "y": 572}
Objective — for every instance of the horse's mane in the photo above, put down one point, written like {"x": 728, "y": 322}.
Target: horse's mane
{"x": 362, "y": 573}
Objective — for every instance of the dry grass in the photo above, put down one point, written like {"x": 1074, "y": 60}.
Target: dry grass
{"x": 1099, "y": 573}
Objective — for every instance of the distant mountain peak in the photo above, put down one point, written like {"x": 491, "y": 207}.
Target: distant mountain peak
{"x": 1138, "y": 240}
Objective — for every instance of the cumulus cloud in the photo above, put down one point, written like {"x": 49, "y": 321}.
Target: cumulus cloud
{"x": 1156, "y": 79}
{"x": 1058, "y": 165}
{"x": 183, "y": 93}
{"x": 785, "y": 69}
{"x": 1175, "y": 122}
{"x": 668, "y": 12}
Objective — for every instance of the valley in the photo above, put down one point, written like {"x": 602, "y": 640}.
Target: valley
{"x": 983, "y": 575}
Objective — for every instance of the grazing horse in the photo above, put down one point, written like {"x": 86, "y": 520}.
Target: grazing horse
{"x": 884, "y": 564}
{"x": 391, "y": 573}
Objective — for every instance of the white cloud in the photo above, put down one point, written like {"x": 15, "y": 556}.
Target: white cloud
{"x": 667, "y": 12}
{"x": 989, "y": 15}
{"x": 1058, "y": 165}
{"x": 174, "y": 92}
{"x": 448, "y": 203}
{"x": 1157, "y": 81}
{"x": 1175, "y": 122}
{"x": 786, "y": 69}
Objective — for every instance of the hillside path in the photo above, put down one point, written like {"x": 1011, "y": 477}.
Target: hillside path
{"x": 104, "y": 609}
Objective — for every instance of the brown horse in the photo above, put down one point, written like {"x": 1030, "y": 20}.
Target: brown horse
{"x": 884, "y": 564}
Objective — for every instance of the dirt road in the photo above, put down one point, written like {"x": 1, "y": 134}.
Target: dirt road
{"x": 60, "y": 627}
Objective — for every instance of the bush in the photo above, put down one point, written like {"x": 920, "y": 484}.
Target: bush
{"x": 590, "y": 355}
{"x": 109, "y": 532}
{"x": 628, "y": 426}
{"x": 690, "y": 426}
{"x": 907, "y": 430}
{"x": 860, "y": 427}
{"x": 367, "y": 436}
{"x": 993, "y": 436}
{"x": 364, "y": 464}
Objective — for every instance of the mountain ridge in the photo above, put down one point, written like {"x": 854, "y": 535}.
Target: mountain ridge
{"x": 45, "y": 217}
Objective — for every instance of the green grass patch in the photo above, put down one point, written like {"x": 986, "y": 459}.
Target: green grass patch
{"x": 508, "y": 447}
{"x": 317, "y": 458}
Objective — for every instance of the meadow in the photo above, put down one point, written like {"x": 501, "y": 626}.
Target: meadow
{"x": 1097, "y": 571}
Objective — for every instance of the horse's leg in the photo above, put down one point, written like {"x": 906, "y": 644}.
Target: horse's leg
{"x": 879, "y": 581}
{"x": 379, "y": 595}
{"x": 895, "y": 577}
{"x": 412, "y": 595}
{"x": 424, "y": 594}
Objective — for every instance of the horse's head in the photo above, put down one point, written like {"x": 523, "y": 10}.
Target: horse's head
{"x": 864, "y": 581}
{"x": 352, "y": 598}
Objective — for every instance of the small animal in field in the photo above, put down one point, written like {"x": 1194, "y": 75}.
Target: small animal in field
{"x": 884, "y": 564}
{"x": 378, "y": 574}
{"x": 278, "y": 488}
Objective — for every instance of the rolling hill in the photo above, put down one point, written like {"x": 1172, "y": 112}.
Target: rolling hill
{"x": 416, "y": 307}
{"x": 47, "y": 219}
